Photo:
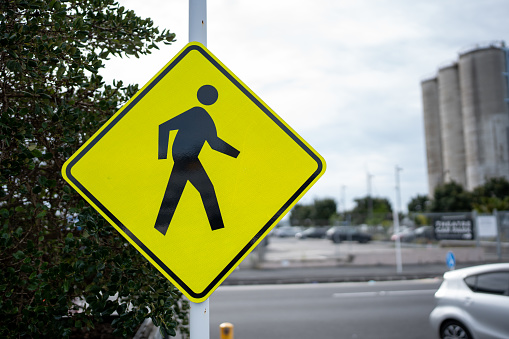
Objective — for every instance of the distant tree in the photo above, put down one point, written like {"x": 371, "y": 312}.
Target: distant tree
{"x": 492, "y": 188}
{"x": 56, "y": 252}
{"x": 301, "y": 214}
{"x": 488, "y": 205}
{"x": 451, "y": 197}
{"x": 494, "y": 194}
{"x": 323, "y": 210}
{"x": 318, "y": 213}
{"x": 419, "y": 203}
{"x": 371, "y": 210}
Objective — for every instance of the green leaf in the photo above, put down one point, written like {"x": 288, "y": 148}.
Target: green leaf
{"x": 19, "y": 255}
{"x": 91, "y": 69}
{"x": 14, "y": 66}
{"x": 13, "y": 54}
{"x": 19, "y": 230}
{"x": 78, "y": 22}
{"x": 41, "y": 214}
{"x": 4, "y": 213}
{"x": 60, "y": 72}
{"x": 66, "y": 286}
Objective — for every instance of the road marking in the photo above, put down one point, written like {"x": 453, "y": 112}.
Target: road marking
{"x": 382, "y": 293}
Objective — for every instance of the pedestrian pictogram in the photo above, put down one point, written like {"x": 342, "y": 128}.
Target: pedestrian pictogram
{"x": 194, "y": 171}
{"x": 195, "y": 126}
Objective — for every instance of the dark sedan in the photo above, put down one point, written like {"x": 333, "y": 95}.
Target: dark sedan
{"x": 347, "y": 233}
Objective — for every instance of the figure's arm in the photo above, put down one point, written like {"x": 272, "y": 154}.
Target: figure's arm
{"x": 222, "y": 146}
{"x": 164, "y": 135}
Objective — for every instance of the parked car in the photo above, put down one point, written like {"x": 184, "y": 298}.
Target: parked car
{"x": 287, "y": 231}
{"x": 404, "y": 235}
{"x": 347, "y": 233}
{"x": 425, "y": 232}
{"x": 473, "y": 303}
{"x": 312, "y": 232}
{"x": 410, "y": 234}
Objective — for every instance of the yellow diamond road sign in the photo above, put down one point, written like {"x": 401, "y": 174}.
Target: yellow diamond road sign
{"x": 194, "y": 171}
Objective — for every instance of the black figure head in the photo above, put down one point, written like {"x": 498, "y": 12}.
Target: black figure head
{"x": 207, "y": 95}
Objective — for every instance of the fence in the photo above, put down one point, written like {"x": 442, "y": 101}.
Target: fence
{"x": 490, "y": 231}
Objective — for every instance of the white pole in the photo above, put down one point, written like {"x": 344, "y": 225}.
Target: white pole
{"x": 343, "y": 199}
{"x": 399, "y": 265}
{"x": 398, "y": 188}
{"x": 395, "y": 216}
{"x": 198, "y": 21}
{"x": 199, "y": 327}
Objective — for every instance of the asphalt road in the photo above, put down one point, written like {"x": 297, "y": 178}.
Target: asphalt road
{"x": 397, "y": 309}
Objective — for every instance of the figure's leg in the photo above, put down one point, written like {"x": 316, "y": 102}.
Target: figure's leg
{"x": 174, "y": 190}
{"x": 202, "y": 183}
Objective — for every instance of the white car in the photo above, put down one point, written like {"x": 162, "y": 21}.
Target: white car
{"x": 287, "y": 231}
{"x": 473, "y": 303}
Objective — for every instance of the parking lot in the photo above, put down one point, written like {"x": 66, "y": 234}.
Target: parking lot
{"x": 292, "y": 252}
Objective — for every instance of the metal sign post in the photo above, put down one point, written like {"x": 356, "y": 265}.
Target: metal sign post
{"x": 199, "y": 327}
{"x": 198, "y": 21}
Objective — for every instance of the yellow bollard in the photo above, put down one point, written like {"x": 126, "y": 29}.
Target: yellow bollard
{"x": 226, "y": 331}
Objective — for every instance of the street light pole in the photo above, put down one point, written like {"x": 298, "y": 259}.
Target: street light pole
{"x": 343, "y": 200}
{"x": 398, "y": 188}
{"x": 395, "y": 215}
{"x": 370, "y": 200}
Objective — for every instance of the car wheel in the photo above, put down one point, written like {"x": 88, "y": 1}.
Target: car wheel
{"x": 336, "y": 238}
{"x": 452, "y": 329}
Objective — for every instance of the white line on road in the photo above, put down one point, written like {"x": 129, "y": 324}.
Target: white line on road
{"x": 381, "y": 293}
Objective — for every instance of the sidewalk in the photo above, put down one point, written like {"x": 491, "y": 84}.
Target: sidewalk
{"x": 297, "y": 275}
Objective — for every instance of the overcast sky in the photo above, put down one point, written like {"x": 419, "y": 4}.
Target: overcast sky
{"x": 344, "y": 74}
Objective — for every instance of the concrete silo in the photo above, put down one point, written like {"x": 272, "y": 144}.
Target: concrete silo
{"x": 451, "y": 125}
{"x": 485, "y": 114}
{"x": 430, "y": 104}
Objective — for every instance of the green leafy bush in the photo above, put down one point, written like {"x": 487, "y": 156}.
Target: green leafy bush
{"x": 63, "y": 267}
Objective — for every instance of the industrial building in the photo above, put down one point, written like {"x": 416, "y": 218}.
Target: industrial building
{"x": 466, "y": 118}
